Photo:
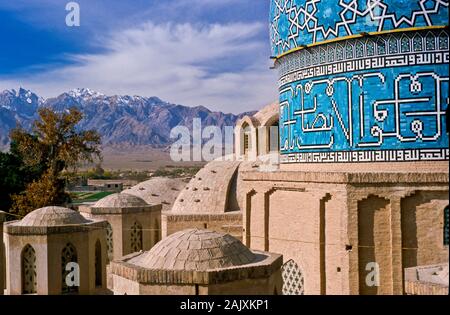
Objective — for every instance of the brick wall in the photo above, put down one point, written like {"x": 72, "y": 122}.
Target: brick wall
{"x": 230, "y": 223}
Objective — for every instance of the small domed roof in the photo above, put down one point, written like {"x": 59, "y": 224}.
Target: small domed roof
{"x": 121, "y": 200}
{"x": 53, "y": 216}
{"x": 195, "y": 249}
{"x": 159, "y": 190}
{"x": 208, "y": 190}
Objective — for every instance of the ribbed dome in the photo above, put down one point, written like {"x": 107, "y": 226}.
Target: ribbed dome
{"x": 52, "y": 216}
{"x": 121, "y": 200}
{"x": 195, "y": 249}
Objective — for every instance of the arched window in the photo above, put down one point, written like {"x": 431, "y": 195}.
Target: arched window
{"x": 274, "y": 141}
{"x": 98, "y": 264}
{"x": 156, "y": 231}
{"x": 293, "y": 281}
{"x": 446, "y": 226}
{"x": 136, "y": 237}
{"x": 109, "y": 242}
{"x": 247, "y": 138}
{"x": 29, "y": 275}
{"x": 69, "y": 257}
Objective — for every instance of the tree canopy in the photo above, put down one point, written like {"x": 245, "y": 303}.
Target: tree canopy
{"x": 55, "y": 145}
{"x": 14, "y": 175}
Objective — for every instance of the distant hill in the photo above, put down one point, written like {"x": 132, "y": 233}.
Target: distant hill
{"x": 121, "y": 120}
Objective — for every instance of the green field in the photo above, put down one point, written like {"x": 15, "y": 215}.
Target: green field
{"x": 80, "y": 197}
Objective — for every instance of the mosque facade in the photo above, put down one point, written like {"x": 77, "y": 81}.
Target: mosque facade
{"x": 363, "y": 174}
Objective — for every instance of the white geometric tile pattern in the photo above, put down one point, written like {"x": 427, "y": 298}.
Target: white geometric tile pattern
{"x": 303, "y": 22}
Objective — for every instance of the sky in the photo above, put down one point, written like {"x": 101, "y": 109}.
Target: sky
{"x": 213, "y": 53}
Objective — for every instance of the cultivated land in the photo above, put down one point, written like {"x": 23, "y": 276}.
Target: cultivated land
{"x": 81, "y": 197}
{"x": 141, "y": 159}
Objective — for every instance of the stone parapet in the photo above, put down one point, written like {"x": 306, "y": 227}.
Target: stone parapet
{"x": 418, "y": 288}
{"x": 118, "y": 211}
{"x": 178, "y": 217}
{"x": 350, "y": 178}
{"x": 12, "y": 229}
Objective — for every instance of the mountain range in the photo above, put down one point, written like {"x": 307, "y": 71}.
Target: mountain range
{"x": 121, "y": 120}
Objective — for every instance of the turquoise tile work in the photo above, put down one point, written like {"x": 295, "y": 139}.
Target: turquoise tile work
{"x": 372, "y": 98}
{"x": 302, "y": 22}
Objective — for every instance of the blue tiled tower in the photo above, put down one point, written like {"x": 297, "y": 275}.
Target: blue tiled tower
{"x": 362, "y": 80}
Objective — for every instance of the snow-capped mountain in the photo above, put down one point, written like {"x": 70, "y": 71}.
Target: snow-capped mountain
{"x": 83, "y": 93}
{"x": 21, "y": 101}
{"x": 17, "y": 107}
{"x": 132, "y": 120}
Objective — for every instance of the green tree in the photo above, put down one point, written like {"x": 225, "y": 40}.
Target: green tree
{"x": 14, "y": 176}
{"x": 55, "y": 145}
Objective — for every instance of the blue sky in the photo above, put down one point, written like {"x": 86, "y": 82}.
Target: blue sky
{"x": 194, "y": 52}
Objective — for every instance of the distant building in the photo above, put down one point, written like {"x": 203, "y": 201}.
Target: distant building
{"x": 102, "y": 185}
{"x": 106, "y": 185}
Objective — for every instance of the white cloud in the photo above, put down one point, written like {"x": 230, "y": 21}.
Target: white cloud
{"x": 180, "y": 63}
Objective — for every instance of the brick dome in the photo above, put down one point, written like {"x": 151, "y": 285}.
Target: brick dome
{"x": 52, "y": 216}
{"x": 194, "y": 249}
{"x": 121, "y": 200}
{"x": 159, "y": 190}
{"x": 209, "y": 189}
